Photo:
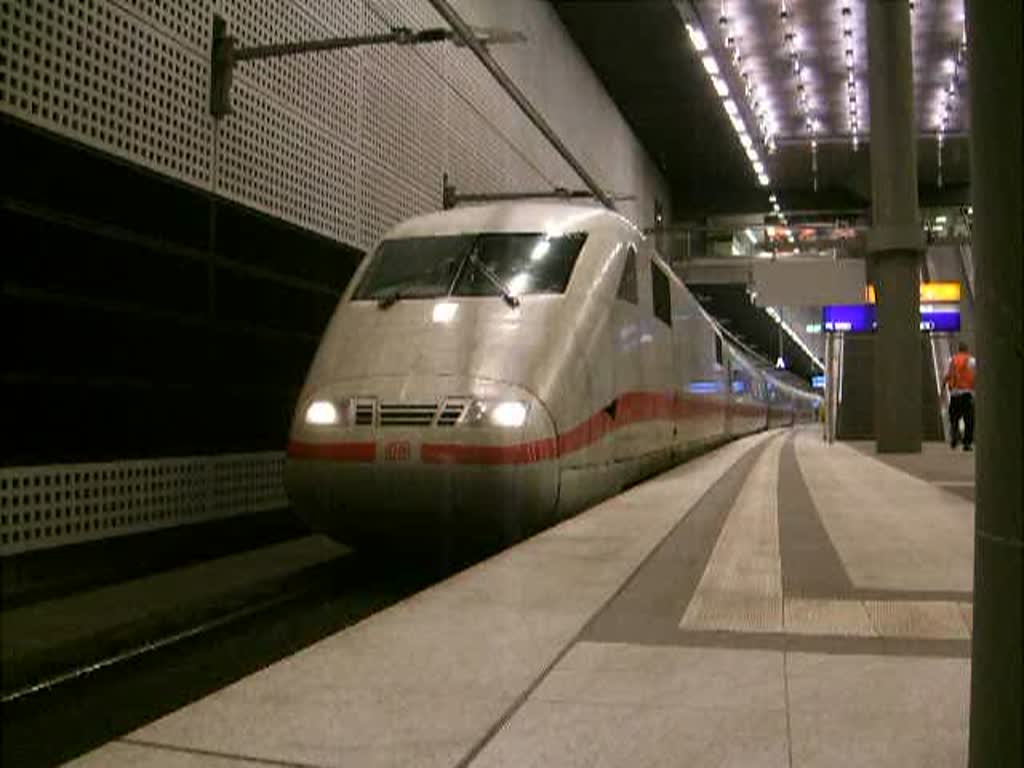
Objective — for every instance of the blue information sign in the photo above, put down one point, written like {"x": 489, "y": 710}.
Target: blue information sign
{"x": 849, "y": 318}
{"x": 860, "y": 318}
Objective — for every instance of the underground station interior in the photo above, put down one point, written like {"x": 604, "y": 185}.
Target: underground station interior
{"x": 511, "y": 382}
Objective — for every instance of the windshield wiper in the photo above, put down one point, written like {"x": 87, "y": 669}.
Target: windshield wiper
{"x": 511, "y": 299}
{"x": 388, "y": 299}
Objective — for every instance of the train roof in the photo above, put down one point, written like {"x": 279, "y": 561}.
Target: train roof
{"x": 531, "y": 216}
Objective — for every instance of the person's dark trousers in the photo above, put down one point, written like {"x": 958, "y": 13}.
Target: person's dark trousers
{"x": 962, "y": 407}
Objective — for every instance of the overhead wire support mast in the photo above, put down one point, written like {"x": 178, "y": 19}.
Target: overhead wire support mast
{"x": 225, "y": 54}
{"x": 465, "y": 32}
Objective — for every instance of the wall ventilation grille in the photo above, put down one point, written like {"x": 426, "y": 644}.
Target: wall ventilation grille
{"x": 49, "y": 506}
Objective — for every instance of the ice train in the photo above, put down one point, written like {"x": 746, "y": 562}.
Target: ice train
{"x": 493, "y": 369}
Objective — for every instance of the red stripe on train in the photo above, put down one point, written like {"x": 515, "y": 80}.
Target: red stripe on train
{"x": 333, "y": 451}
{"x": 461, "y": 453}
{"x": 630, "y": 408}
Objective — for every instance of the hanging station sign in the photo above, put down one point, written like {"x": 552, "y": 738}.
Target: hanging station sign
{"x": 940, "y": 311}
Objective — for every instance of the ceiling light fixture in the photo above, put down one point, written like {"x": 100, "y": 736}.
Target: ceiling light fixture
{"x": 754, "y": 93}
{"x": 802, "y": 78}
{"x": 775, "y": 315}
{"x": 853, "y": 118}
{"x": 718, "y": 80}
{"x": 700, "y": 43}
{"x": 948, "y": 98}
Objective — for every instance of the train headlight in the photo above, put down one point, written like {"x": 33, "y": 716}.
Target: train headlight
{"x": 509, "y": 413}
{"x": 322, "y": 413}
{"x": 496, "y": 413}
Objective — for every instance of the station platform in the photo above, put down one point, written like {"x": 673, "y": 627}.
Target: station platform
{"x": 778, "y": 602}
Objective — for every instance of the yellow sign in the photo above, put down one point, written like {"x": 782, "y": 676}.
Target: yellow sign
{"x": 940, "y": 291}
{"x": 930, "y": 292}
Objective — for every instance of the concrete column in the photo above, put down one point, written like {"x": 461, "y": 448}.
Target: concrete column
{"x": 997, "y": 683}
{"x": 895, "y": 242}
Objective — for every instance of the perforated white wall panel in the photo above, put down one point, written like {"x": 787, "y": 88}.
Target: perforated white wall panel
{"x": 343, "y": 143}
{"x": 49, "y": 506}
{"x": 134, "y": 87}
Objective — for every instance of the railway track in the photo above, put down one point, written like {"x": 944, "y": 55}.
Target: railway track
{"x": 76, "y": 672}
{"x": 84, "y": 704}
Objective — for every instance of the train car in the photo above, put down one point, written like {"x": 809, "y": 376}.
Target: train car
{"x": 493, "y": 369}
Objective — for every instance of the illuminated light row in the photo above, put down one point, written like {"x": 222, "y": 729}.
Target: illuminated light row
{"x": 773, "y": 313}
{"x": 948, "y": 99}
{"x": 948, "y": 96}
{"x": 757, "y": 100}
{"x": 846, "y": 21}
{"x": 777, "y": 210}
{"x": 799, "y": 74}
{"x": 707, "y": 58}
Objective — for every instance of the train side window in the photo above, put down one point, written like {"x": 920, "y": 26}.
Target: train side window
{"x": 627, "y": 284}
{"x": 662, "y": 293}
{"x": 718, "y": 349}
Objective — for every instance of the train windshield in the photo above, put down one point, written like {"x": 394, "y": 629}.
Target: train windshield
{"x": 470, "y": 265}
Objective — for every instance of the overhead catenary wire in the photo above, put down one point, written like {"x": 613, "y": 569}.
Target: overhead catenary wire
{"x": 465, "y": 33}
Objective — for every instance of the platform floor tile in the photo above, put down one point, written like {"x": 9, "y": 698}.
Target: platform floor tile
{"x": 613, "y": 673}
{"x": 154, "y": 756}
{"x": 877, "y": 711}
{"x": 570, "y": 734}
{"x": 608, "y": 704}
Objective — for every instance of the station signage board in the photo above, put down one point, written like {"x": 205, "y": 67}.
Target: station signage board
{"x": 944, "y": 292}
{"x": 860, "y": 318}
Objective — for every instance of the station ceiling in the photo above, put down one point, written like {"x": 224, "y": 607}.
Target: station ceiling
{"x": 644, "y": 54}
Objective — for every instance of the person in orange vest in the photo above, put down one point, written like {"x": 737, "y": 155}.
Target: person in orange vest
{"x": 960, "y": 383}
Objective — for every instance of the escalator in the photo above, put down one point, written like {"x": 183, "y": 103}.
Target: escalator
{"x": 950, "y": 263}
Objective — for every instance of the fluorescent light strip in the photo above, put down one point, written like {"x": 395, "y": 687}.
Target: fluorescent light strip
{"x": 773, "y": 313}
{"x": 757, "y": 101}
{"x": 713, "y": 69}
{"x": 949, "y": 94}
{"x": 700, "y": 43}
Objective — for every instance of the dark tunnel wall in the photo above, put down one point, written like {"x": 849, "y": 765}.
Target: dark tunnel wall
{"x": 144, "y": 318}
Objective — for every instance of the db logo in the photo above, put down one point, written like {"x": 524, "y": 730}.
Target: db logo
{"x": 398, "y": 451}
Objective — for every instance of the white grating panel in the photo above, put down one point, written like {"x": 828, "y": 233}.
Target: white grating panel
{"x": 322, "y": 88}
{"x": 415, "y": 14}
{"x": 92, "y": 72}
{"x": 475, "y": 153}
{"x": 402, "y": 148}
{"x": 273, "y": 159}
{"x": 343, "y": 143}
{"x": 187, "y": 23}
{"x": 49, "y": 506}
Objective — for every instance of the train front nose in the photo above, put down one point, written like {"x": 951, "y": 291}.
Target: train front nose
{"x": 383, "y": 461}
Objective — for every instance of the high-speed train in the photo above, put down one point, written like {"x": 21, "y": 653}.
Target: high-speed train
{"x": 491, "y": 370}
